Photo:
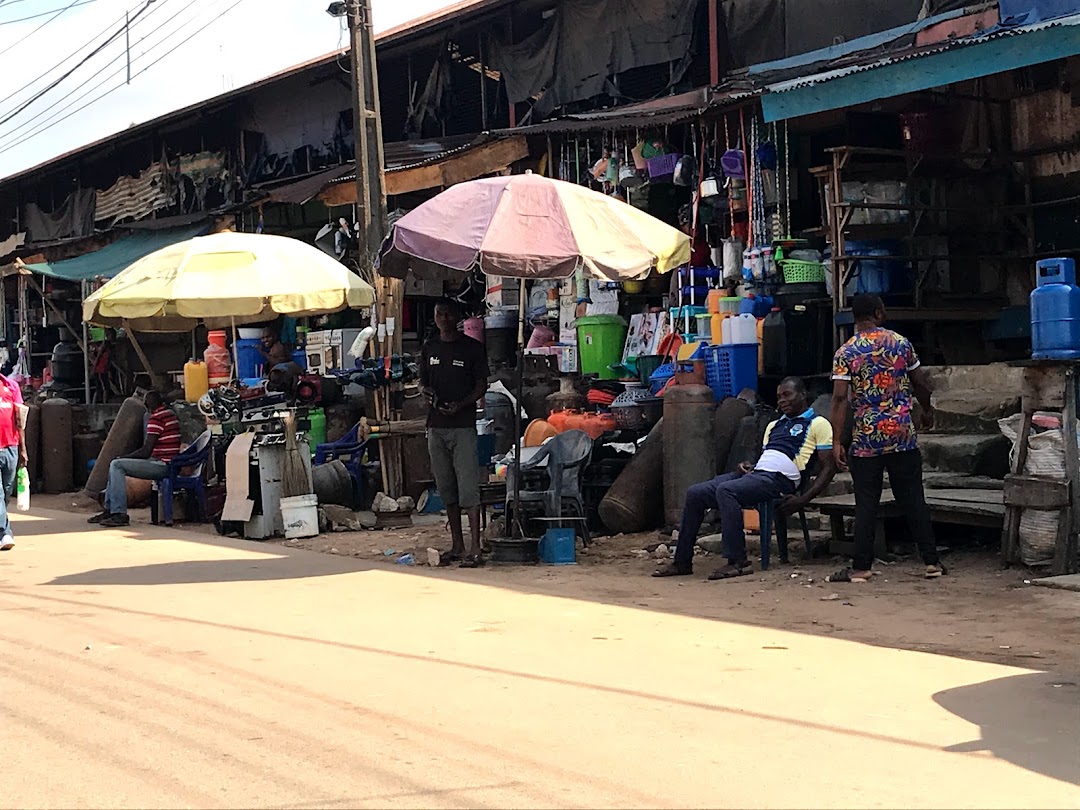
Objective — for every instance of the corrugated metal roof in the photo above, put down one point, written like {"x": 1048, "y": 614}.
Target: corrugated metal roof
{"x": 400, "y": 156}
{"x": 675, "y": 109}
{"x": 914, "y": 53}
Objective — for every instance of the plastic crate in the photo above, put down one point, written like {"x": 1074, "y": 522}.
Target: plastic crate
{"x": 659, "y": 378}
{"x": 799, "y": 272}
{"x": 662, "y": 167}
{"x": 730, "y": 367}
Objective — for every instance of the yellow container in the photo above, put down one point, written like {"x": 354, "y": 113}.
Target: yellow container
{"x": 716, "y": 327}
{"x": 760, "y": 350}
{"x": 712, "y": 303}
{"x": 196, "y": 380}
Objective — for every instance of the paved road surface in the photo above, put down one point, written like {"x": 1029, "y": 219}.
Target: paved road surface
{"x": 157, "y": 668}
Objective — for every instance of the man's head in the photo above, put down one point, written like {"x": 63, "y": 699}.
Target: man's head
{"x": 269, "y": 337}
{"x": 153, "y": 400}
{"x": 791, "y": 396}
{"x": 868, "y": 309}
{"x": 447, "y": 316}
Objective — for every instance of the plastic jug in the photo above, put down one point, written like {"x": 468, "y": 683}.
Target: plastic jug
{"x": 196, "y": 380}
{"x": 218, "y": 362}
{"x": 712, "y": 303}
{"x": 742, "y": 328}
{"x": 717, "y": 327}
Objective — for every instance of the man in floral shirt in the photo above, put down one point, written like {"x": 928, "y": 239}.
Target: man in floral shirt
{"x": 879, "y": 370}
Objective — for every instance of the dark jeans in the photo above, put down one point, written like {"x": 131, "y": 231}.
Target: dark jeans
{"x": 730, "y": 493}
{"x": 905, "y": 478}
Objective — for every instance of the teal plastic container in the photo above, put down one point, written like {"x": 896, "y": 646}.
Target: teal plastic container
{"x": 600, "y": 344}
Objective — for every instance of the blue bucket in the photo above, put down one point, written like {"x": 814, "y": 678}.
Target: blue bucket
{"x": 558, "y": 547}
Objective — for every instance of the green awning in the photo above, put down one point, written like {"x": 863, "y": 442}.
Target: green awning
{"x": 111, "y": 259}
{"x": 994, "y": 52}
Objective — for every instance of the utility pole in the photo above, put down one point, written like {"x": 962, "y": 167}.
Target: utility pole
{"x": 367, "y": 122}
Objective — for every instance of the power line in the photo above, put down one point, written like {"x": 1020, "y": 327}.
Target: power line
{"x": 48, "y": 125}
{"x": 73, "y": 54}
{"x": 53, "y": 110}
{"x": 58, "y": 11}
{"x": 31, "y": 35}
{"x": 8, "y": 116}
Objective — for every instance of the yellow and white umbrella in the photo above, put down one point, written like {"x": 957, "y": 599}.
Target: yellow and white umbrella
{"x": 226, "y": 279}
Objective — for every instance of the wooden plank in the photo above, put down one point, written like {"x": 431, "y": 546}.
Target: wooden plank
{"x": 1037, "y": 493}
{"x": 1043, "y": 388}
{"x": 422, "y": 177}
{"x": 1065, "y": 550}
{"x": 988, "y": 496}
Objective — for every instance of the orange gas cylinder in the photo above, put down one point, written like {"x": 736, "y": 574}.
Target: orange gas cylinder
{"x": 597, "y": 424}
{"x": 574, "y": 421}
{"x": 557, "y": 419}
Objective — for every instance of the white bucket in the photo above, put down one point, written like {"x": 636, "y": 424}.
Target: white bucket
{"x": 300, "y": 515}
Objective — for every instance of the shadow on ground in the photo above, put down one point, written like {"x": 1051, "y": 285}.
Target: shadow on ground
{"x": 1032, "y": 721}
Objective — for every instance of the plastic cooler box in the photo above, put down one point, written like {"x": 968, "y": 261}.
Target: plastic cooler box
{"x": 730, "y": 367}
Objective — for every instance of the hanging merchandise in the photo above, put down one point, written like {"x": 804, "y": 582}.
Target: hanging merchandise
{"x": 638, "y": 155}
{"x": 733, "y": 259}
{"x": 759, "y": 225}
{"x": 599, "y": 169}
{"x": 684, "y": 172}
{"x": 733, "y": 164}
{"x": 612, "y": 173}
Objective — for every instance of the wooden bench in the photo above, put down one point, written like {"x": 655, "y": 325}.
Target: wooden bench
{"x": 983, "y": 508}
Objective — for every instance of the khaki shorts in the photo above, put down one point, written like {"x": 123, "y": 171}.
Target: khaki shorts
{"x": 455, "y": 465}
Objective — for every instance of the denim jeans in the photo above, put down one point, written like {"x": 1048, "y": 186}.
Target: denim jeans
{"x": 148, "y": 469}
{"x": 9, "y": 464}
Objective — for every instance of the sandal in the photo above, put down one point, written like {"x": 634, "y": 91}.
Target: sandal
{"x": 732, "y": 570}
{"x": 448, "y": 558}
{"x": 472, "y": 561}
{"x": 846, "y": 575}
{"x": 936, "y": 571}
{"x": 674, "y": 570}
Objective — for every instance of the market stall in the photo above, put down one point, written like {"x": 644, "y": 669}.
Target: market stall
{"x": 261, "y": 429}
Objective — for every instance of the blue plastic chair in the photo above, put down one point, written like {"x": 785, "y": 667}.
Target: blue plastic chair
{"x": 194, "y": 457}
{"x": 769, "y": 515}
{"x": 349, "y": 450}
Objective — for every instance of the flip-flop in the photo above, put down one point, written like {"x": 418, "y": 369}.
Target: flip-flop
{"x": 674, "y": 570}
{"x": 732, "y": 571}
{"x": 845, "y": 575}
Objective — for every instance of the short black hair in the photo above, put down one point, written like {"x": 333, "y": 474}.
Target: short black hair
{"x": 866, "y": 306}
{"x": 797, "y": 383}
{"x": 150, "y": 397}
{"x": 449, "y": 304}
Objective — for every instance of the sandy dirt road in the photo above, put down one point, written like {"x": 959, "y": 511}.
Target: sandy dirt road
{"x": 155, "y": 667}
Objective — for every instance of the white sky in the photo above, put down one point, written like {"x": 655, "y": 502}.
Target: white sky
{"x": 253, "y": 40}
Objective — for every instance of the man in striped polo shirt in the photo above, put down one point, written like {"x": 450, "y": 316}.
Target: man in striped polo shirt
{"x": 149, "y": 462}
{"x": 789, "y": 444}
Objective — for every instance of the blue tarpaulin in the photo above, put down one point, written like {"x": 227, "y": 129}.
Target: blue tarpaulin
{"x": 111, "y": 259}
{"x": 1027, "y": 12}
{"x": 848, "y": 87}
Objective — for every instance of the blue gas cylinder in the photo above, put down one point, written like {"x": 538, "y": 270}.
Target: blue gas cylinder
{"x": 1055, "y": 311}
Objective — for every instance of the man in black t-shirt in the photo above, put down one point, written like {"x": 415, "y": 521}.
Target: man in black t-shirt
{"x": 453, "y": 376}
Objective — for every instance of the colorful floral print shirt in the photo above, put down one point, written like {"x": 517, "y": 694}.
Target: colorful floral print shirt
{"x": 877, "y": 363}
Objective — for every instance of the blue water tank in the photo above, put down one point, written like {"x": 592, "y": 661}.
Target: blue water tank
{"x": 1055, "y": 311}
{"x": 248, "y": 357}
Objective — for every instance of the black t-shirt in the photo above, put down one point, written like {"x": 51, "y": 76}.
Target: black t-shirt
{"x": 452, "y": 369}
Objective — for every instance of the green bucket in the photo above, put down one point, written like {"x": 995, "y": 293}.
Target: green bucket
{"x": 600, "y": 344}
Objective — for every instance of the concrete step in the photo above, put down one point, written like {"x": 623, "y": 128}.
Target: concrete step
{"x": 971, "y": 411}
{"x": 967, "y": 453}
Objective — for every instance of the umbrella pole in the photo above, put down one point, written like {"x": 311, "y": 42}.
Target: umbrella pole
{"x": 519, "y": 530}
{"x": 86, "y": 349}
{"x": 236, "y": 352}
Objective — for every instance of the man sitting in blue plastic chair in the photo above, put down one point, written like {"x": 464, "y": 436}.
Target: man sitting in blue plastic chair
{"x": 789, "y": 444}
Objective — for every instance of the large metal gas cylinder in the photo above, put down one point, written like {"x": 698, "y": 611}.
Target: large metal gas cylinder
{"x": 56, "y": 445}
{"x": 689, "y": 449}
{"x": 634, "y": 503}
{"x": 125, "y": 436}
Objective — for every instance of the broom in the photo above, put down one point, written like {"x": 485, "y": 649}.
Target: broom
{"x": 294, "y": 476}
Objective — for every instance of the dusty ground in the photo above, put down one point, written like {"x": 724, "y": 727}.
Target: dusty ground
{"x": 980, "y": 611}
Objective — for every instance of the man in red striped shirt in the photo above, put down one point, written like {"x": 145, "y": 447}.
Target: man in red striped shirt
{"x": 149, "y": 462}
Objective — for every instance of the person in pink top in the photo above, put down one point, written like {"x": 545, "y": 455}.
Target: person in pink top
{"x": 12, "y": 452}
